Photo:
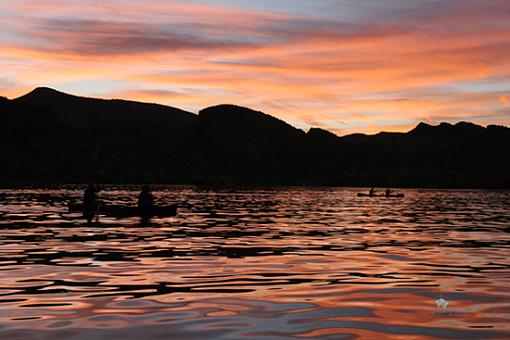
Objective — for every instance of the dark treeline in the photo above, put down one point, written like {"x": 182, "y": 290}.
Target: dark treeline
{"x": 48, "y": 137}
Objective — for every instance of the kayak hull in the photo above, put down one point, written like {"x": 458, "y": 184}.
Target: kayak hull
{"x": 390, "y": 196}
{"x": 122, "y": 211}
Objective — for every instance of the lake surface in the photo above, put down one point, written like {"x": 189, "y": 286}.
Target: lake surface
{"x": 279, "y": 263}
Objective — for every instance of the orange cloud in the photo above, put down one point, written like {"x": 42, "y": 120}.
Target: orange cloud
{"x": 389, "y": 68}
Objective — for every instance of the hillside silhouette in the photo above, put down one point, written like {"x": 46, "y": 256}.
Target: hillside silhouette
{"x": 83, "y": 113}
{"x": 49, "y": 137}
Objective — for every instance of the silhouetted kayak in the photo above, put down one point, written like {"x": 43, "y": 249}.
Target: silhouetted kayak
{"x": 360, "y": 194}
{"x": 123, "y": 211}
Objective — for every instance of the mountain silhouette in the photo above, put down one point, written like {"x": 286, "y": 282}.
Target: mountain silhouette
{"x": 243, "y": 142}
{"x": 90, "y": 113}
{"x": 52, "y": 137}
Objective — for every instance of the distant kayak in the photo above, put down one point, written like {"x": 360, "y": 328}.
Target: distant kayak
{"x": 123, "y": 211}
{"x": 400, "y": 195}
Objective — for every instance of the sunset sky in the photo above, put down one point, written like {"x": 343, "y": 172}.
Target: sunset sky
{"x": 344, "y": 65}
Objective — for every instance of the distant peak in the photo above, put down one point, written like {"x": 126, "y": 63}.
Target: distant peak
{"x": 43, "y": 92}
{"x": 444, "y": 128}
{"x": 229, "y": 111}
{"x": 227, "y": 108}
{"x": 43, "y": 89}
{"x": 467, "y": 124}
{"x": 239, "y": 116}
{"x": 421, "y": 127}
{"x": 314, "y": 131}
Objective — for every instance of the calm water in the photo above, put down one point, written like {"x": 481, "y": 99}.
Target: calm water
{"x": 258, "y": 264}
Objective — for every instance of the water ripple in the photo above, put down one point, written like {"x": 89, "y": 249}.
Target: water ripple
{"x": 257, "y": 263}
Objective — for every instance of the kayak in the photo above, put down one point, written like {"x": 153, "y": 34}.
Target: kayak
{"x": 123, "y": 211}
{"x": 390, "y": 196}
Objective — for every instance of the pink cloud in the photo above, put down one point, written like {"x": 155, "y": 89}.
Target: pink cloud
{"x": 347, "y": 75}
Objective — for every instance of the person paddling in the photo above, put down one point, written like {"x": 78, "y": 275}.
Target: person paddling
{"x": 90, "y": 202}
{"x": 145, "y": 200}
{"x": 371, "y": 192}
{"x": 387, "y": 192}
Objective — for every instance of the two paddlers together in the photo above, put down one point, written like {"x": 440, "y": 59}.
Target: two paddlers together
{"x": 92, "y": 206}
{"x": 387, "y": 193}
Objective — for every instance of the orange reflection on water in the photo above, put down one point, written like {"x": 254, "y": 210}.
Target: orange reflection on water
{"x": 260, "y": 264}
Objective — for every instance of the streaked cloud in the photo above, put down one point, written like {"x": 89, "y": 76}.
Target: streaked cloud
{"x": 336, "y": 64}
